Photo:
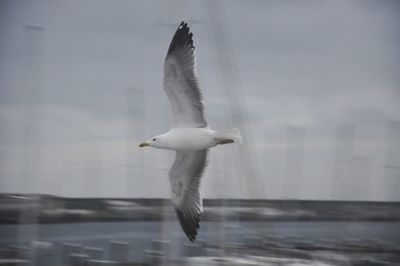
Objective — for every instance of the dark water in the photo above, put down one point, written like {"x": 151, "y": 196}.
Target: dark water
{"x": 140, "y": 234}
{"x": 209, "y": 231}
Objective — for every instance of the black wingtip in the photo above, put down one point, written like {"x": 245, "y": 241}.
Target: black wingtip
{"x": 182, "y": 37}
{"x": 190, "y": 227}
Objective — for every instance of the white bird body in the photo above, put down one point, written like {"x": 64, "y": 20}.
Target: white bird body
{"x": 189, "y": 135}
{"x": 186, "y": 139}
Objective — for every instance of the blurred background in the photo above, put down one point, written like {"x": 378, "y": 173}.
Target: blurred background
{"x": 313, "y": 86}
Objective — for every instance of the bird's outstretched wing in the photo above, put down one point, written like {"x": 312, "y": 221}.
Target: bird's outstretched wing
{"x": 185, "y": 177}
{"x": 180, "y": 81}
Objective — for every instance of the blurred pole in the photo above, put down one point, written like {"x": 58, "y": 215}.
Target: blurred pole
{"x": 273, "y": 161}
{"x": 392, "y": 161}
{"x": 93, "y": 167}
{"x": 344, "y": 148}
{"x": 135, "y": 170}
{"x": 31, "y": 97}
{"x": 293, "y": 163}
{"x": 358, "y": 187}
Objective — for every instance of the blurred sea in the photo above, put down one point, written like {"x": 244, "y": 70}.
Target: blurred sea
{"x": 44, "y": 230}
{"x": 218, "y": 239}
{"x": 211, "y": 232}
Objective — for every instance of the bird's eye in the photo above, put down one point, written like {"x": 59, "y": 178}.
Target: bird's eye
{"x": 154, "y": 139}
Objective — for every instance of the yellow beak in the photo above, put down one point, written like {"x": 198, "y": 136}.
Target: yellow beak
{"x": 144, "y": 144}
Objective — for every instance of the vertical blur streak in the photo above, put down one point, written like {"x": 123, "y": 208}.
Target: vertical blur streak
{"x": 135, "y": 173}
{"x": 344, "y": 146}
{"x": 226, "y": 64}
{"x": 32, "y": 95}
{"x": 293, "y": 163}
{"x": 32, "y": 125}
{"x": 93, "y": 165}
{"x": 231, "y": 84}
{"x": 392, "y": 161}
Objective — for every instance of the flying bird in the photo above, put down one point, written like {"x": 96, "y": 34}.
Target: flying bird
{"x": 189, "y": 135}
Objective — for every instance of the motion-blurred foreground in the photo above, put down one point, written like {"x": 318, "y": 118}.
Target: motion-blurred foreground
{"x": 45, "y": 230}
{"x": 313, "y": 86}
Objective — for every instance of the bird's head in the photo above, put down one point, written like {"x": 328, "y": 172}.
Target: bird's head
{"x": 156, "y": 142}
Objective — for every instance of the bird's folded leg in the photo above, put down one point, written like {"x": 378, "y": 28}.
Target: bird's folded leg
{"x": 225, "y": 141}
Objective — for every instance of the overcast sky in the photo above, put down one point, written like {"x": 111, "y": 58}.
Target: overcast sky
{"x": 313, "y": 85}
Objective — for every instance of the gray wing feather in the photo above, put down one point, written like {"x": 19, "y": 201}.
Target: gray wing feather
{"x": 185, "y": 177}
{"x": 180, "y": 81}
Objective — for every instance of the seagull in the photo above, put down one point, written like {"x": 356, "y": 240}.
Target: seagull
{"x": 189, "y": 135}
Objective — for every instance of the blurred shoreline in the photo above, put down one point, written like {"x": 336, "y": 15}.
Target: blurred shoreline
{"x": 49, "y": 230}
{"x": 39, "y": 208}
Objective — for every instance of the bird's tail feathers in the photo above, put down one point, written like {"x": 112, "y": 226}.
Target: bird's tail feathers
{"x": 233, "y": 134}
